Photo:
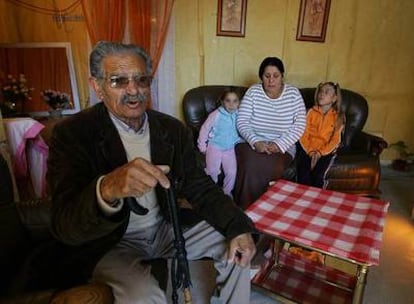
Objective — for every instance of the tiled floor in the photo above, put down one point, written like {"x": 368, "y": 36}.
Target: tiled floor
{"x": 392, "y": 282}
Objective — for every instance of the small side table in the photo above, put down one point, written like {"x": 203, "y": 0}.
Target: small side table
{"x": 343, "y": 226}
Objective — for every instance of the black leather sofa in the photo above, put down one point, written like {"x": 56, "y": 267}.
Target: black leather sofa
{"x": 24, "y": 237}
{"x": 356, "y": 169}
{"x": 27, "y": 259}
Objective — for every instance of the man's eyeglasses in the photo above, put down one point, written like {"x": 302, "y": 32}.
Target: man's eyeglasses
{"x": 122, "y": 82}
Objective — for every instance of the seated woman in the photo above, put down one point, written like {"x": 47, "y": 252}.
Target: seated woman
{"x": 272, "y": 118}
{"x": 317, "y": 146}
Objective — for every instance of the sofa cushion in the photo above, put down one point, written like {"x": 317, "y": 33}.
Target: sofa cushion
{"x": 14, "y": 240}
{"x": 356, "y": 174}
{"x": 35, "y": 216}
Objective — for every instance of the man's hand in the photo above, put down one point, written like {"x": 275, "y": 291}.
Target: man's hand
{"x": 133, "y": 179}
{"x": 242, "y": 250}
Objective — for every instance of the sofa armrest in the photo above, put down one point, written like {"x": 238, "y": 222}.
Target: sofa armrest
{"x": 96, "y": 293}
{"x": 35, "y": 216}
{"x": 375, "y": 144}
{"x": 368, "y": 143}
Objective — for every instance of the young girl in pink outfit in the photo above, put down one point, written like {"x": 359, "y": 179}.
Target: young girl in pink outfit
{"x": 218, "y": 136}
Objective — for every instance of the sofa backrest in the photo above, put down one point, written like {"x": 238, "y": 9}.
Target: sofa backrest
{"x": 200, "y": 101}
{"x": 355, "y": 107}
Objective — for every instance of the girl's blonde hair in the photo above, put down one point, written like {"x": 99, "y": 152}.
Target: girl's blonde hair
{"x": 337, "y": 104}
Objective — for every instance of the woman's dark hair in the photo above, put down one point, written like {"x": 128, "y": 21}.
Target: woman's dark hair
{"x": 272, "y": 61}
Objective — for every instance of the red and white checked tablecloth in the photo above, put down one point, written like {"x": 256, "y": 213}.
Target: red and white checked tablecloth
{"x": 346, "y": 225}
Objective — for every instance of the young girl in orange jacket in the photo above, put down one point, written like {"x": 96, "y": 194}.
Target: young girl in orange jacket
{"x": 316, "y": 148}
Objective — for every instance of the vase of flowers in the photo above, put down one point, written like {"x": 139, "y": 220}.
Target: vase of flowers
{"x": 15, "y": 93}
{"x": 57, "y": 102}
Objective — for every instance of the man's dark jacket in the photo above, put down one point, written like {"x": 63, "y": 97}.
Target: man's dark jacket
{"x": 86, "y": 146}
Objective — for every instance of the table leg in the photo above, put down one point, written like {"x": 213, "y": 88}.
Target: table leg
{"x": 267, "y": 256}
{"x": 360, "y": 284}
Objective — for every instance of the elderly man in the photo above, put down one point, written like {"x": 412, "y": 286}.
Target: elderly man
{"x": 107, "y": 172}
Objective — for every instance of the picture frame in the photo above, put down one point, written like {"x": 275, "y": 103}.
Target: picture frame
{"x": 28, "y": 56}
{"x": 231, "y": 18}
{"x": 313, "y": 20}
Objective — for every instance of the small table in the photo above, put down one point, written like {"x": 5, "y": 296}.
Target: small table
{"x": 339, "y": 225}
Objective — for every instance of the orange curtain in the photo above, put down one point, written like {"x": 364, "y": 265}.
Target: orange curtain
{"x": 139, "y": 19}
{"x": 105, "y": 19}
{"x": 148, "y": 22}
{"x": 148, "y": 25}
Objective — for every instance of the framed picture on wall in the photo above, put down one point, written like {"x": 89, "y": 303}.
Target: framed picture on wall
{"x": 231, "y": 18}
{"x": 313, "y": 20}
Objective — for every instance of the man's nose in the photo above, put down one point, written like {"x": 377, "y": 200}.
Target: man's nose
{"x": 132, "y": 87}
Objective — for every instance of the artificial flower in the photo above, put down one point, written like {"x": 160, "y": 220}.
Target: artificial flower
{"x": 57, "y": 100}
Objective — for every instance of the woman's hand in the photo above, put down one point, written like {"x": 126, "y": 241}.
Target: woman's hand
{"x": 273, "y": 148}
{"x": 266, "y": 147}
{"x": 261, "y": 147}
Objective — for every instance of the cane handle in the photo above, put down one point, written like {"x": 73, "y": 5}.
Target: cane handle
{"x": 187, "y": 296}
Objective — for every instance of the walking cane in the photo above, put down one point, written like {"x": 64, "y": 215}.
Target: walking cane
{"x": 180, "y": 273}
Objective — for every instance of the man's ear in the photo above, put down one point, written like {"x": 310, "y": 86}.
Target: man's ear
{"x": 94, "y": 84}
